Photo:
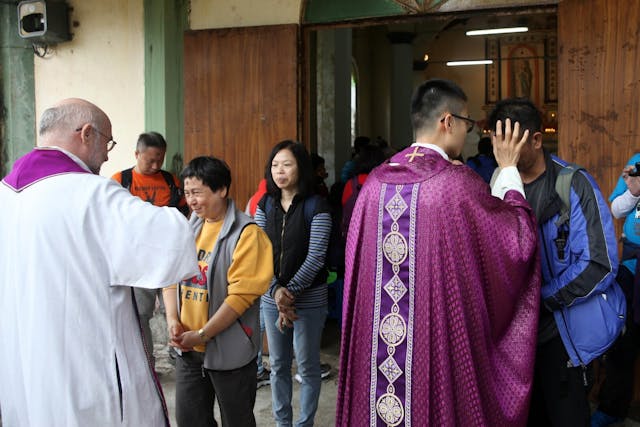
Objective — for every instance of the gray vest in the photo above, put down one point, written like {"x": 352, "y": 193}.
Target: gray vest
{"x": 233, "y": 347}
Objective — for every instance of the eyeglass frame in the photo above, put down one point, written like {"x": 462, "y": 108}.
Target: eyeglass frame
{"x": 471, "y": 122}
{"x": 111, "y": 143}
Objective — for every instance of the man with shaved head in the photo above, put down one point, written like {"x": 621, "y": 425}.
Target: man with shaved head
{"x": 72, "y": 244}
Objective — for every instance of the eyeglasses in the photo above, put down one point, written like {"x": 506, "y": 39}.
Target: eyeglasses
{"x": 110, "y": 142}
{"x": 470, "y": 122}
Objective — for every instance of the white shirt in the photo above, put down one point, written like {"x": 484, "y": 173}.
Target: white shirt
{"x": 70, "y": 245}
{"x": 623, "y": 204}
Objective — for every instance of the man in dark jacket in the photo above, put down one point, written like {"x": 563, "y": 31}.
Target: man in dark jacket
{"x": 583, "y": 308}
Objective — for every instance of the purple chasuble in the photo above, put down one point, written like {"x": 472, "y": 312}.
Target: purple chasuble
{"x": 441, "y": 299}
{"x": 39, "y": 164}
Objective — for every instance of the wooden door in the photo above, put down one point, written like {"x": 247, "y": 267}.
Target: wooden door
{"x": 599, "y": 91}
{"x": 240, "y": 98}
{"x": 599, "y": 85}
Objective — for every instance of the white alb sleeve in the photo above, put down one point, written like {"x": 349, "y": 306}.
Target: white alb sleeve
{"x": 506, "y": 179}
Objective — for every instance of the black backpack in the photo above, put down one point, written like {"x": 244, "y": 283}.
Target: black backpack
{"x": 176, "y": 192}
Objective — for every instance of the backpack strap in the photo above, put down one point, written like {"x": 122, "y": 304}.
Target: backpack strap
{"x": 563, "y": 188}
{"x": 126, "y": 176}
{"x": 268, "y": 205}
{"x": 176, "y": 192}
{"x": 310, "y": 209}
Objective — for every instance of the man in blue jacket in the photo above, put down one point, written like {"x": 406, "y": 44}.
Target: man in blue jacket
{"x": 583, "y": 308}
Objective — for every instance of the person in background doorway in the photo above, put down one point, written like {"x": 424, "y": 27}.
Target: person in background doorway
{"x": 347, "y": 169}
{"x": 369, "y": 157}
{"x": 483, "y": 163}
{"x": 319, "y": 175}
{"x": 148, "y": 181}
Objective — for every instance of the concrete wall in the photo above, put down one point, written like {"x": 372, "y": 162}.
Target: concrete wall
{"x": 104, "y": 63}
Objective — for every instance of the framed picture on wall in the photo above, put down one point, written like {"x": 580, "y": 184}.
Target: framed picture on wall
{"x": 522, "y": 68}
{"x": 524, "y": 65}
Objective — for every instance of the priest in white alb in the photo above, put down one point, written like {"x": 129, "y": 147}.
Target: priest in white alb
{"x": 72, "y": 244}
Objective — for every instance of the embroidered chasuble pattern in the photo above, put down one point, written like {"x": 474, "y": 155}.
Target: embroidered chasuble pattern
{"x": 392, "y": 333}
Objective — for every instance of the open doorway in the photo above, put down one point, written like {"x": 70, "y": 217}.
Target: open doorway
{"x": 361, "y": 76}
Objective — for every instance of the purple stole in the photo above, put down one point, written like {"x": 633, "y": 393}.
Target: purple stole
{"x": 39, "y": 164}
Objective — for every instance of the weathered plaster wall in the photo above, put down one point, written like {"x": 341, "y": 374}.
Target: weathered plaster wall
{"x": 104, "y": 63}
{"x": 235, "y": 13}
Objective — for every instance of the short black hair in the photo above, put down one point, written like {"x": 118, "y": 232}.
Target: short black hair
{"x": 316, "y": 161}
{"x": 485, "y": 146}
{"x": 213, "y": 172}
{"x": 369, "y": 157}
{"x": 520, "y": 110}
{"x": 151, "y": 139}
{"x": 432, "y": 98}
{"x": 303, "y": 160}
{"x": 360, "y": 141}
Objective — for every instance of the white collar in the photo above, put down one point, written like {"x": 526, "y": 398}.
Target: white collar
{"x": 433, "y": 147}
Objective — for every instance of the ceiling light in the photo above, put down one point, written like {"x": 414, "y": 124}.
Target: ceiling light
{"x": 498, "y": 31}
{"x": 477, "y": 62}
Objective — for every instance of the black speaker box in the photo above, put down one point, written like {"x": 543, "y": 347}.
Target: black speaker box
{"x": 45, "y": 22}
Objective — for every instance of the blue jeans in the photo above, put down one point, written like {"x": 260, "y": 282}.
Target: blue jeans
{"x": 304, "y": 338}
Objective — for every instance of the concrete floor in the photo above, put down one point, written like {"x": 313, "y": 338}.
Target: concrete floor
{"x": 325, "y": 416}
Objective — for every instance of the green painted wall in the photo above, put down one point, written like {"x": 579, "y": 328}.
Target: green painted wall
{"x": 164, "y": 24}
{"x": 323, "y": 11}
{"x": 17, "y": 93}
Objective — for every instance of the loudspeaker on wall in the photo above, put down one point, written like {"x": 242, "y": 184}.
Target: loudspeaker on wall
{"x": 45, "y": 22}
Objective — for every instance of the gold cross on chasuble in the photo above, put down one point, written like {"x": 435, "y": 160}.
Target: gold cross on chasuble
{"x": 414, "y": 154}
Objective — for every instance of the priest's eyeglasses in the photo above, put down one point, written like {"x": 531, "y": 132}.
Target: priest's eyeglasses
{"x": 470, "y": 122}
{"x": 110, "y": 142}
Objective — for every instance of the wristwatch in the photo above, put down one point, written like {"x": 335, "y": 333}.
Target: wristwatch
{"x": 203, "y": 336}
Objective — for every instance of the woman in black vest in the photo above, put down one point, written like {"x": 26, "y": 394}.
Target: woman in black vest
{"x": 295, "y": 307}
